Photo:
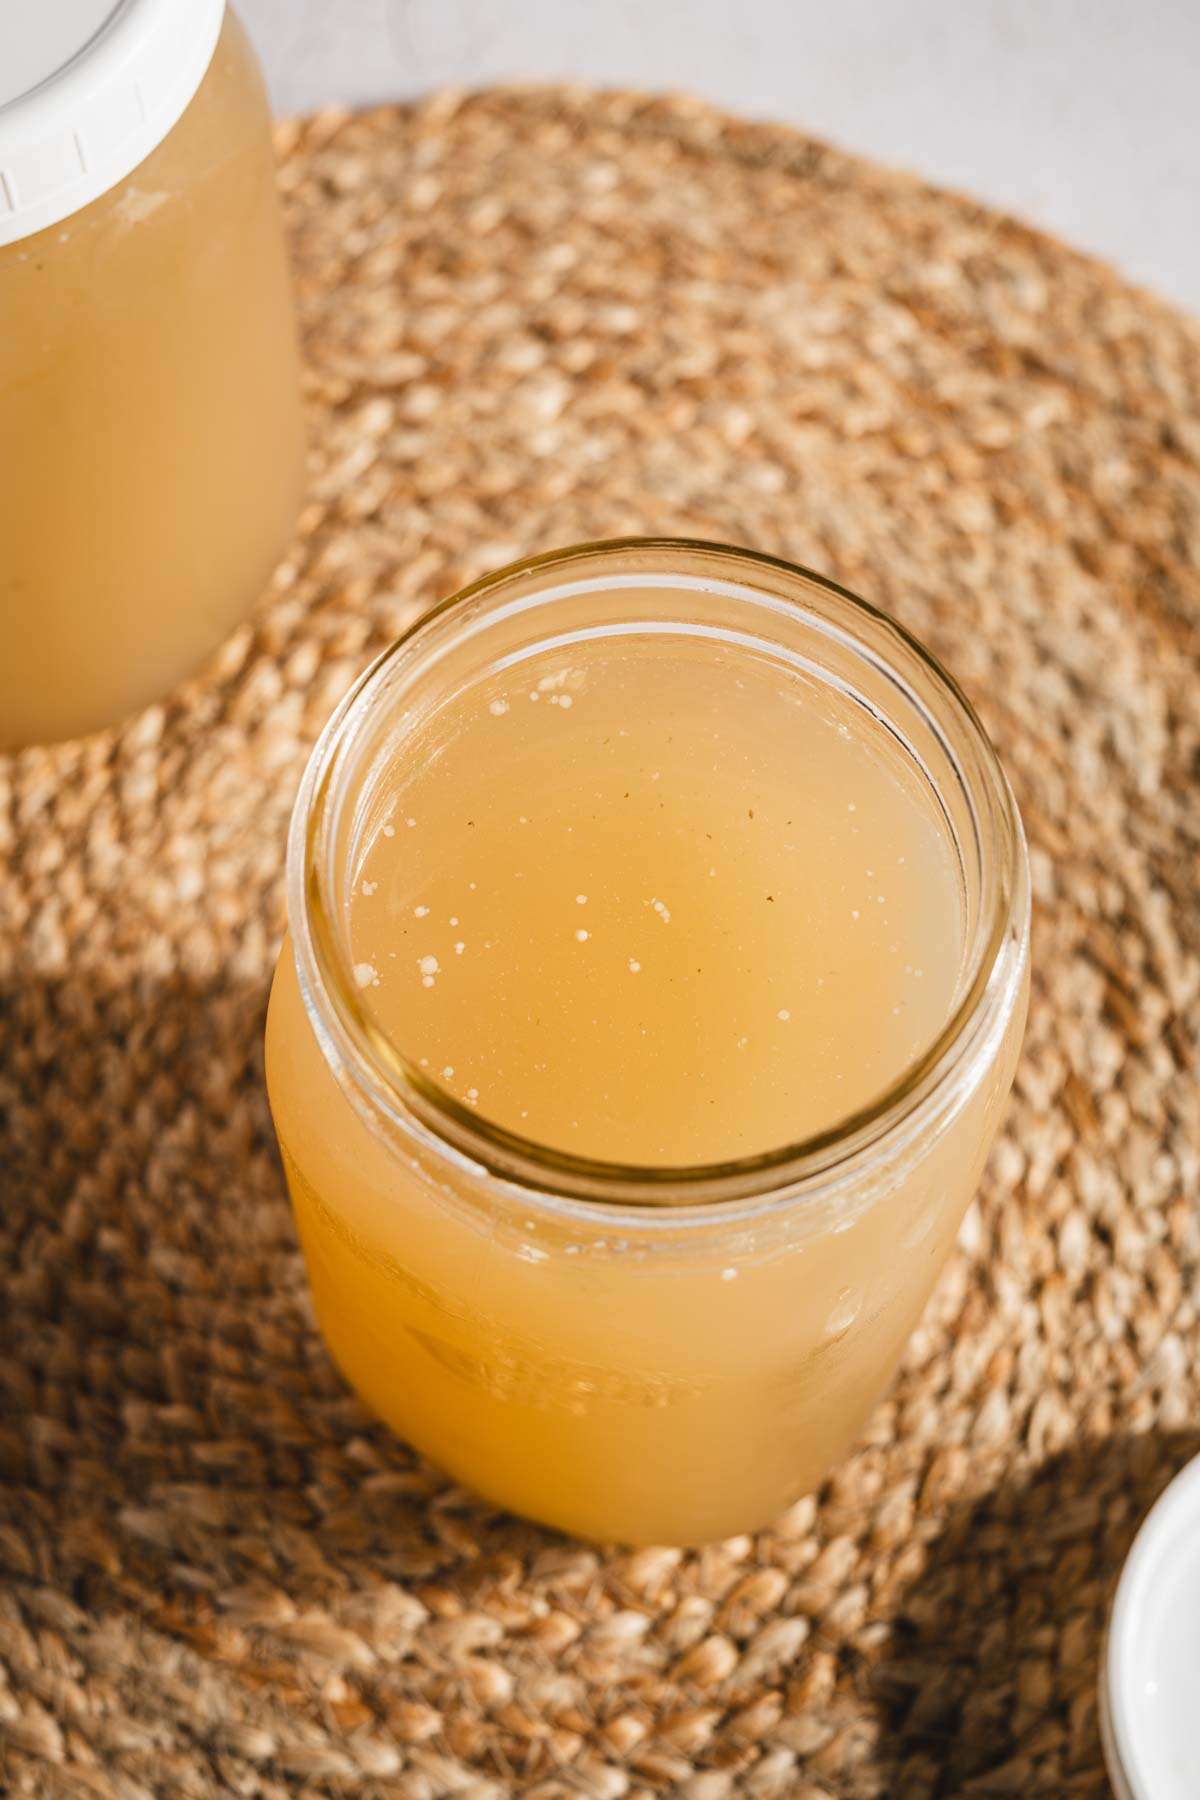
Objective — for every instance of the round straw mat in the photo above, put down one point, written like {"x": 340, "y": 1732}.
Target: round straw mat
{"x": 531, "y": 318}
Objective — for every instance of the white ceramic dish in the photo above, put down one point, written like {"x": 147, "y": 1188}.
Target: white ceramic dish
{"x": 1150, "y": 1682}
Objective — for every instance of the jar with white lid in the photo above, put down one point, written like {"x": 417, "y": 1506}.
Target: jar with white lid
{"x": 150, "y": 438}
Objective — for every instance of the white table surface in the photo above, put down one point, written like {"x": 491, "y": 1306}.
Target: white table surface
{"x": 1082, "y": 116}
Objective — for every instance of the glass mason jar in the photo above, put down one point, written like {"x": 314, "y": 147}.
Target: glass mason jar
{"x": 645, "y": 1354}
{"x": 150, "y": 431}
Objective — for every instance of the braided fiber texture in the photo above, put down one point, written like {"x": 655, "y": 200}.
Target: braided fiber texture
{"x": 531, "y": 318}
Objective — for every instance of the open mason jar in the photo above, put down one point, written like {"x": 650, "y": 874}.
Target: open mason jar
{"x": 150, "y": 434}
{"x": 668, "y": 1350}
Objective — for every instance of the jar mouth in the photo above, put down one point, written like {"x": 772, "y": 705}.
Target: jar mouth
{"x": 391, "y": 1086}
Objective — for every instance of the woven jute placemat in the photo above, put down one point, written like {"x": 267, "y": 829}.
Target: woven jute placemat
{"x": 531, "y": 318}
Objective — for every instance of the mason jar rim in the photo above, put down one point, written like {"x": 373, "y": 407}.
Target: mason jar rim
{"x": 389, "y": 1084}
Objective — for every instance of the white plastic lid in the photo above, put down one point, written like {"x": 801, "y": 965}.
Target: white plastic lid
{"x": 87, "y": 89}
{"x": 1150, "y": 1686}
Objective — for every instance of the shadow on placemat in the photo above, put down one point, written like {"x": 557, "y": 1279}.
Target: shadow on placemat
{"x": 988, "y": 1684}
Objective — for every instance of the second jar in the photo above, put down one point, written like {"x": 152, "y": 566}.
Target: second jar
{"x": 150, "y": 439}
